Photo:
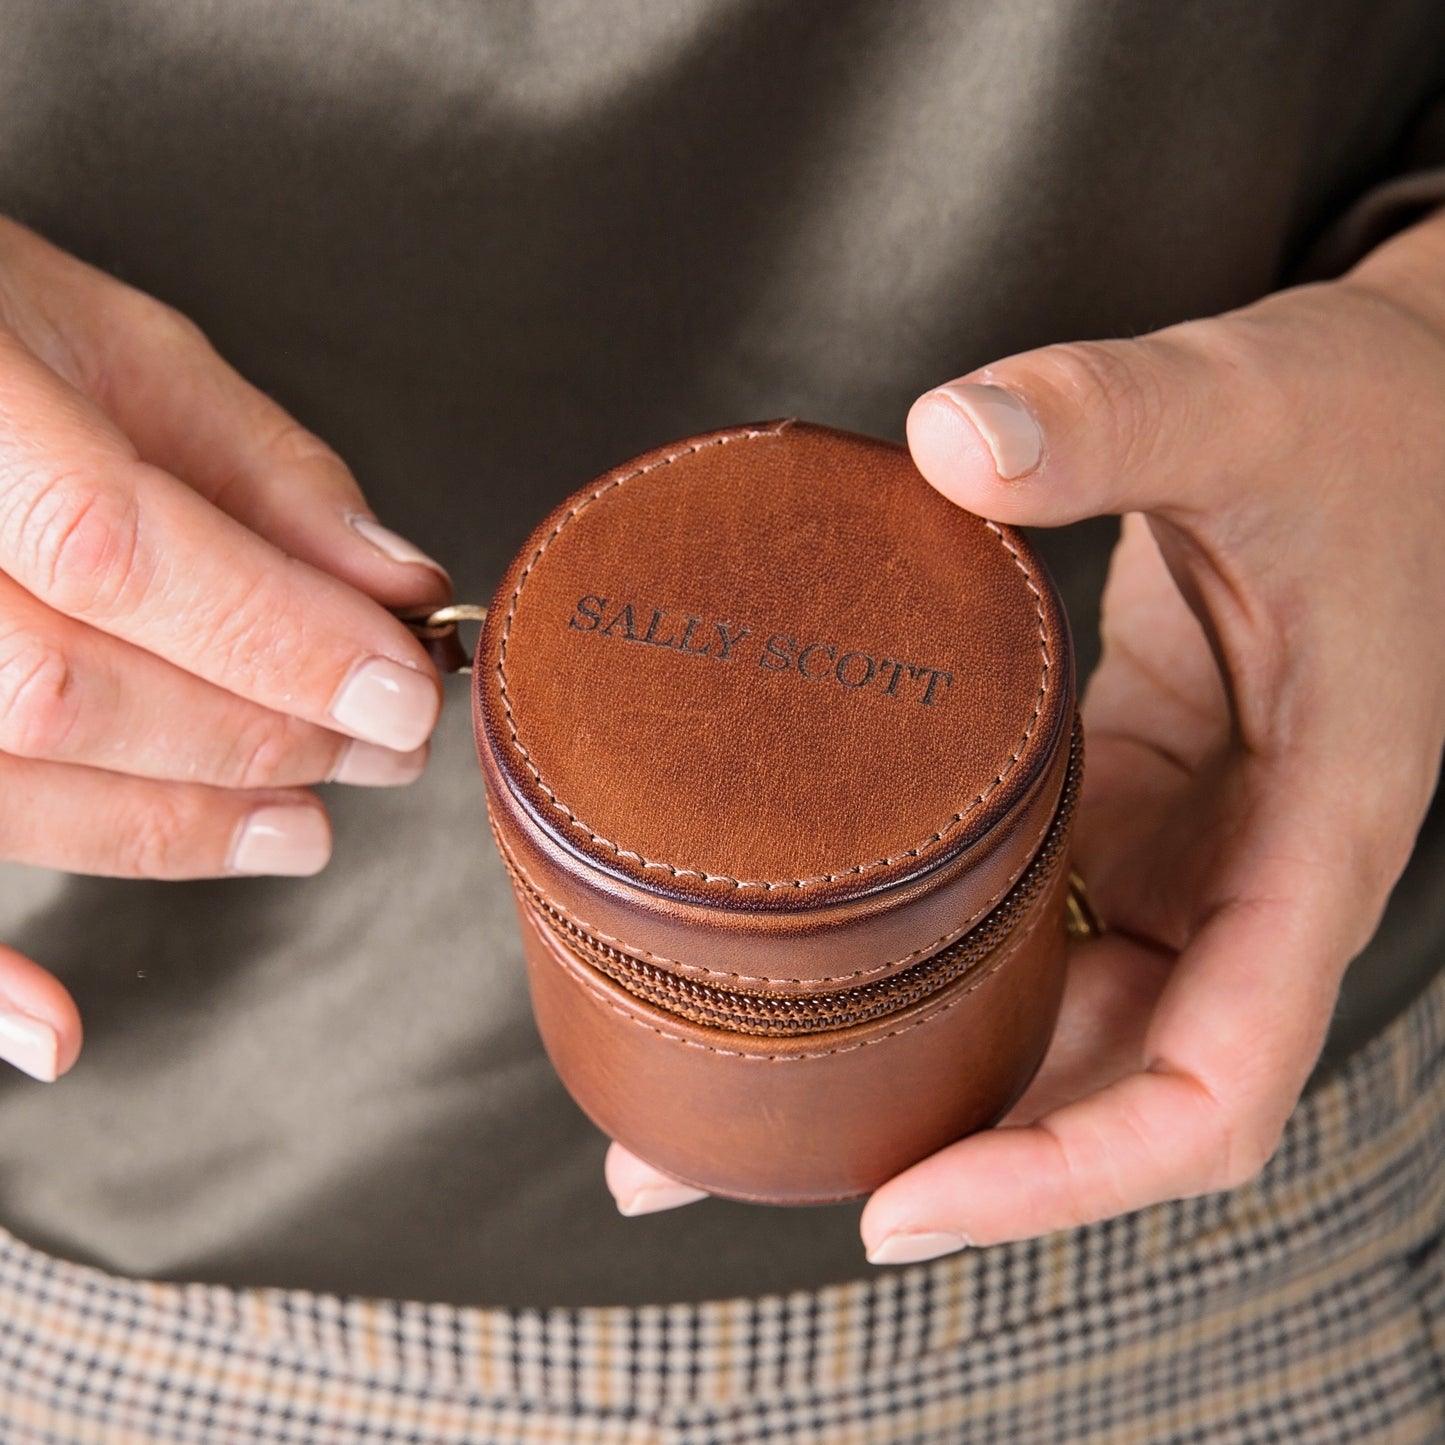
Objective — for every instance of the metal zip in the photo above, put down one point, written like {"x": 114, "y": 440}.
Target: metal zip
{"x": 746, "y": 1011}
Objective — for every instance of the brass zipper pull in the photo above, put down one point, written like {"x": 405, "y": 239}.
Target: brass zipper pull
{"x": 436, "y": 629}
{"x": 1082, "y": 921}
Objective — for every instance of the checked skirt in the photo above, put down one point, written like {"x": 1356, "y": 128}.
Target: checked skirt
{"x": 1307, "y": 1306}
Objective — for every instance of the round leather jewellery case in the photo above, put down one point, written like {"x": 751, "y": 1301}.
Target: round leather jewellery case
{"x": 781, "y": 753}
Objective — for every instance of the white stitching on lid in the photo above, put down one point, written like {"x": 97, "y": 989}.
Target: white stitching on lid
{"x": 681, "y": 870}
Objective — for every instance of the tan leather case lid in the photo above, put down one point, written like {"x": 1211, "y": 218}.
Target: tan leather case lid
{"x": 770, "y": 671}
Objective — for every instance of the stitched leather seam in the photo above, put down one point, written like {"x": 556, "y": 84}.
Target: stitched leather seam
{"x": 1006, "y": 954}
{"x": 684, "y": 871}
{"x": 952, "y": 936}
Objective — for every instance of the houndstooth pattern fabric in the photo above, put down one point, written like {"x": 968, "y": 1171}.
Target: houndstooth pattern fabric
{"x": 1308, "y": 1306}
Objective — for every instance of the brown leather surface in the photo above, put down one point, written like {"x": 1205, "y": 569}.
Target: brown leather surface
{"x": 718, "y": 806}
{"x": 764, "y": 711}
{"x": 839, "y": 946}
{"x": 802, "y": 1121}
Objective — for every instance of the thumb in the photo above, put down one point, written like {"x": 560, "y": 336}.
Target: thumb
{"x": 1085, "y": 429}
{"x": 39, "y": 1022}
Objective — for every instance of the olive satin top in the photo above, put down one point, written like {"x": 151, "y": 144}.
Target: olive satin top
{"x": 487, "y": 251}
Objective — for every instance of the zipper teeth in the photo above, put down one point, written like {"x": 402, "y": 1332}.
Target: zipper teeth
{"x": 780, "y": 1016}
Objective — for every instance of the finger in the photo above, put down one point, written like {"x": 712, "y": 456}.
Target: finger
{"x": 1202, "y": 1112}
{"x": 113, "y": 542}
{"x": 1161, "y": 424}
{"x": 1157, "y": 720}
{"x": 40, "y": 1031}
{"x": 71, "y": 694}
{"x": 1111, "y": 991}
{"x": 638, "y": 1188}
{"x": 83, "y": 820}
{"x": 1166, "y": 689}
{"x": 189, "y": 413}
{"x": 186, "y": 411}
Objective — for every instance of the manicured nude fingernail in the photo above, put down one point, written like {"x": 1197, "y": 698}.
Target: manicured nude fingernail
{"x": 654, "y": 1198}
{"x": 390, "y": 545}
{"x": 31, "y": 1044}
{"x": 295, "y": 841}
{"x": 1006, "y": 425}
{"x": 908, "y": 1247}
{"x": 384, "y": 702}
{"x": 367, "y": 766}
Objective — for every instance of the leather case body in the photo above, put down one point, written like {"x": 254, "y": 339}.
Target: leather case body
{"x": 780, "y": 750}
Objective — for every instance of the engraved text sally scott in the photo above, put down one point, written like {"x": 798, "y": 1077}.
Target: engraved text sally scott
{"x": 816, "y": 660}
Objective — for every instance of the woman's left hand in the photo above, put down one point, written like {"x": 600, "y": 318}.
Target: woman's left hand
{"x": 1264, "y": 728}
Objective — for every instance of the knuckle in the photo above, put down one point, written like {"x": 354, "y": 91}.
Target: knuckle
{"x": 1246, "y": 371}
{"x": 74, "y": 542}
{"x": 162, "y": 323}
{"x": 286, "y": 448}
{"x": 1114, "y": 385}
{"x": 1240, "y": 1150}
{"x": 256, "y": 631}
{"x": 1242, "y": 347}
{"x": 38, "y": 697}
{"x": 265, "y": 755}
{"x": 291, "y": 445}
{"x": 161, "y": 839}
{"x": 1379, "y": 861}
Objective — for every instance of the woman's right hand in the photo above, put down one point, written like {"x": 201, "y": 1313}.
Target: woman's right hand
{"x": 193, "y": 614}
